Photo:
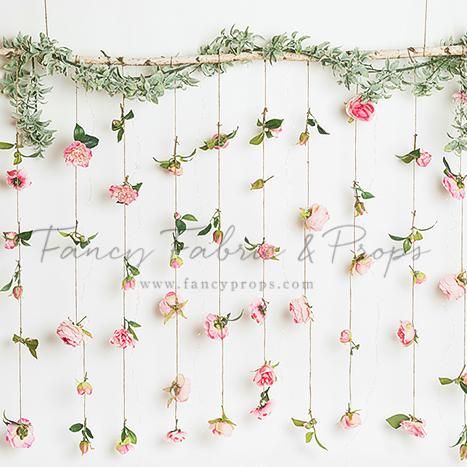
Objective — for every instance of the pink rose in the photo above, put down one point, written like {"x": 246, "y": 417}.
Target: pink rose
{"x": 350, "y": 420}
{"x": 221, "y": 428}
{"x": 180, "y": 389}
{"x": 464, "y": 378}
{"x": 424, "y": 159}
{"x": 123, "y": 194}
{"x": 407, "y": 333}
{"x": 11, "y": 240}
{"x": 345, "y": 336}
{"x": 70, "y": 333}
{"x": 17, "y": 291}
{"x": 129, "y": 283}
{"x": 124, "y": 447}
{"x": 168, "y": 304}
{"x": 419, "y": 277}
{"x": 267, "y": 251}
{"x": 317, "y": 216}
{"x": 361, "y": 264}
{"x": 451, "y": 186}
{"x": 176, "y": 262}
{"x": 215, "y": 327}
{"x": 84, "y": 388}
{"x": 122, "y": 338}
{"x": 77, "y": 154}
{"x": 20, "y": 434}
{"x": 217, "y": 236}
{"x": 258, "y": 310}
{"x": 176, "y": 436}
{"x": 415, "y": 428}
{"x": 358, "y": 110}
{"x": 460, "y": 97}
{"x": 300, "y": 310}
{"x": 451, "y": 287}
{"x": 17, "y": 179}
{"x": 262, "y": 412}
{"x": 174, "y": 170}
{"x": 84, "y": 447}
{"x": 265, "y": 376}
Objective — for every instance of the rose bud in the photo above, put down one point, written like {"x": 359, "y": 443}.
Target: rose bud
{"x": 359, "y": 209}
{"x": 176, "y": 262}
{"x": 217, "y": 236}
{"x": 84, "y": 388}
{"x": 17, "y": 291}
{"x": 84, "y": 447}
{"x": 463, "y": 452}
{"x": 128, "y": 283}
{"x": 303, "y": 138}
{"x": 419, "y": 277}
{"x": 177, "y": 216}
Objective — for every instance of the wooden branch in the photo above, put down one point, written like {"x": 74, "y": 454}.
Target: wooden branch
{"x": 443, "y": 51}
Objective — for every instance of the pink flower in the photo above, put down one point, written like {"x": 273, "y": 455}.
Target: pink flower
{"x": 70, "y": 333}
{"x": 11, "y": 240}
{"x": 176, "y": 436}
{"x": 17, "y": 291}
{"x": 128, "y": 283}
{"x": 358, "y": 110}
{"x": 215, "y": 327}
{"x": 451, "y": 287}
{"x": 84, "y": 447}
{"x": 345, "y": 336}
{"x": 176, "y": 262}
{"x": 179, "y": 390}
{"x": 407, "y": 333}
{"x": 267, "y": 251}
{"x": 361, "y": 264}
{"x": 350, "y": 420}
{"x": 300, "y": 310}
{"x": 20, "y": 434}
{"x": 84, "y": 388}
{"x": 221, "y": 141}
{"x": 464, "y": 378}
{"x": 265, "y": 376}
{"x": 276, "y": 131}
{"x": 451, "y": 186}
{"x": 263, "y": 411}
{"x": 177, "y": 171}
{"x": 123, "y": 194}
{"x": 217, "y": 236}
{"x": 17, "y": 179}
{"x": 122, "y": 338}
{"x": 424, "y": 159}
{"x": 123, "y": 447}
{"x": 419, "y": 277}
{"x": 221, "y": 428}
{"x": 415, "y": 428}
{"x": 460, "y": 97}
{"x": 170, "y": 305}
{"x": 258, "y": 310}
{"x": 77, "y": 154}
{"x": 316, "y": 217}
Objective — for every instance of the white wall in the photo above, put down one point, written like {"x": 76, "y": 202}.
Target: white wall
{"x": 382, "y": 367}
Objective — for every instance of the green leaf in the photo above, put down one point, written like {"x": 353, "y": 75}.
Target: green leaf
{"x": 190, "y": 217}
{"x": 76, "y": 427}
{"x": 205, "y": 231}
{"x": 258, "y": 139}
{"x": 180, "y": 225}
{"x": 132, "y": 436}
{"x": 318, "y": 442}
{"x": 308, "y": 436}
{"x": 395, "y": 420}
{"x": 396, "y": 238}
{"x": 25, "y": 235}
{"x": 445, "y": 381}
{"x": 89, "y": 433}
{"x": 129, "y": 115}
{"x": 7, "y": 287}
{"x": 322, "y": 131}
{"x": 79, "y": 133}
{"x": 463, "y": 387}
{"x": 32, "y": 345}
{"x": 297, "y": 422}
{"x": 90, "y": 141}
{"x": 273, "y": 124}
{"x": 407, "y": 245}
{"x": 4, "y": 145}
{"x": 134, "y": 324}
{"x": 367, "y": 195}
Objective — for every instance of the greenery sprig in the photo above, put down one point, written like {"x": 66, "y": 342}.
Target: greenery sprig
{"x": 78, "y": 238}
{"x": 118, "y": 125}
{"x": 30, "y": 344}
{"x": 310, "y": 427}
{"x": 268, "y": 128}
{"x": 86, "y": 434}
{"x": 359, "y": 194}
{"x": 415, "y": 235}
{"x": 310, "y": 123}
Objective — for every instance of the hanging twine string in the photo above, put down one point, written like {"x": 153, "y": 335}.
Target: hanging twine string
{"x": 464, "y": 304}
{"x": 305, "y": 271}
{"x": 263, "y": 176}
{"x": 219, "y": 190}
{"x": 124, "y": 271}
{"x": 46, "y": 19}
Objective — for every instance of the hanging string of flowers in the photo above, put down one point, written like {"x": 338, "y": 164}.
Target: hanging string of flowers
{"x": 172, "y": 305}
{"x": 125, "y": 337}
{"x": 20, "y": 432}
{"x": 314, "y": 219}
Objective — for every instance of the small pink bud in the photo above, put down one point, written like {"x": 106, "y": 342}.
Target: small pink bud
{"x": 177, "y": 216}
{"x": 17, "y": 291}
{"x": 176, "y": 262}
{"x": 419, "y": 277}
{"x": 84, "y": 388}
{"x": 345, "y": 337}
{"x": 128, "y": 283}
{"x": 218, "y": 236}
{"x": 84, "y": 447}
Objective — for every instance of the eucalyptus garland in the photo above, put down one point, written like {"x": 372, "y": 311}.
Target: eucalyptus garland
{"x": 25, "y": 71}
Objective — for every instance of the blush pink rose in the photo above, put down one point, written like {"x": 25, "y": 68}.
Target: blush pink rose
{"x": 176, "y": 262}
{"x": 300, "y": 310}
{"x": 358, "y": 110}
{"x": 451, "y": 287}
{"x": 406, "y": 333}
{"x": 258, "y": 310}
{"x": 214, "y": 327}
{"x": 317, "y": 216}
{"x": 221, "y": 428}
{"x": 17, "y": 179}
{"x": 124, "y": 447}
{"x": 452, "y": 188}
{"x": 183, "y": 388}
{"x": 267, "y": 251}
{"x": 77, "y": 154}
{"x": 350, "y": 420}
{"x": 414, "y": 428}
{"x": 84, "y": 388}
{"x": 424, "y": 159}
{"x": 174, "y": 170}
{"x": 20, "y": 434}
{"x": 122, "y": 338}
{"x": 176, "y": 436}
{"x": 460, "y": 97}
{"x": 11, "y": 240}
{"x": 70, "y": 333}
{"x": 129, "y": 283}
{"x": 123, "y": 194}
{"x": 261, "y": 412}
{"x": 361, "y": 264}
{"x": 167, "y": 304}
{"x": 345, "y": 336}
{"x": 265, "y": 376}
{"x": 17, "y": 291}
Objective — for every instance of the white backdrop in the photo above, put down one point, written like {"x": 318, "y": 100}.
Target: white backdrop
{"x": 382, "y": 367}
